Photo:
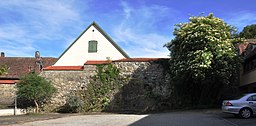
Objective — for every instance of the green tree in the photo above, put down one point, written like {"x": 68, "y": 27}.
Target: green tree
{"x": 249, "y": 32}
{"x": 35, "y": 88}
{"x": 3, "y": 70}
{"x": 97, "y": 95}
{"x": 203, "y": 59}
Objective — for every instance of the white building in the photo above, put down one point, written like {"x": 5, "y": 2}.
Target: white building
{"x": 92, "y": 45}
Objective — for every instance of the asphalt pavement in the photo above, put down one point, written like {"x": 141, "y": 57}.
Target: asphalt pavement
{"x": 178, "y": 118}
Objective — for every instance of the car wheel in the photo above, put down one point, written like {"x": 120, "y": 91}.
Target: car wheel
{"x": 245, "y": 113}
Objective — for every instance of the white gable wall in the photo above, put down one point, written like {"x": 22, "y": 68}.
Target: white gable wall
{"x": 78, "y": 54}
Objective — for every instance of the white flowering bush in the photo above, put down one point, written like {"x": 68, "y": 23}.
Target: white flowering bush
{"x": 203, "y": 57}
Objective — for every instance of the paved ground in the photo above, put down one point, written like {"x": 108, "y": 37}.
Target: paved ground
{"x": 238, "y": 121}
{"x": 20, "y": 119}
{"x": 185, "y": 118}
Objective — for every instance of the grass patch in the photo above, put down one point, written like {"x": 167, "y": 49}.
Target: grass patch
{"x": 35, "y": 114}
{"x": 4, "y": 106}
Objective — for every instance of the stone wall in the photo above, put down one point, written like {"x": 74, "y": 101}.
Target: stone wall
{"x": 153, "y": 74}
{"x": 66, "y": 83}
{"x": 7, "y": 93}
{"x": 147, "y": 89}
{"x": 148, "y": 83}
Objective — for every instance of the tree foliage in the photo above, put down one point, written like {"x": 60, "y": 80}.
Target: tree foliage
{"x": 203, "y": 59}
{"x": 35, "y": 89}
{"x": 3, "y": 70}
{"x": 249, "y": 32}
{"x": 101, "y": 87}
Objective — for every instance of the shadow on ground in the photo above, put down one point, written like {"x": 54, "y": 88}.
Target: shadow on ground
{"x": 193, "y": 119}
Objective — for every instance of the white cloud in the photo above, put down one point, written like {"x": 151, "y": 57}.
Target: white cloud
{"x": 127, "y": 10}
{"x": 26, "y": 25}
{"x": 241, "y": 19}
{"x": 142, "y": 45}
{"x": 51, "y": 25}
{"x": 140, "y": 30}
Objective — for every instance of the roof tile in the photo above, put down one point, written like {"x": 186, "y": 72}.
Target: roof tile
{"x": 140, "y": 59}
{"x": 63, "y": 68}
{"x": 20, "y": 66}
{"x": 97, "y": 62}
{"x": 242, "y": 47}
{"x": 7, "y": 81}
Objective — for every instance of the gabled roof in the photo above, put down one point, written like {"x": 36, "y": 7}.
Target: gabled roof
{"x": 20, "y": 66}
{"x": 104, "y": 34}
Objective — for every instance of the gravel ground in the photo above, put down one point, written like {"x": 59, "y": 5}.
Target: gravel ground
{"x": 89, "y": 120}
{"x": 179, "y": 118}
{"x": 172, "y": 118}
{"x": 11, "y": 120}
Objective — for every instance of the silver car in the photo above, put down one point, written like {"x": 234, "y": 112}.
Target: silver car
{"x": 244, "y": 106}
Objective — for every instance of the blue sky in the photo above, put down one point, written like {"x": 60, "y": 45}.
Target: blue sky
{"x": 140, "y": 27}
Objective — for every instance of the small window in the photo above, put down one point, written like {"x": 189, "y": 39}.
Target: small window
{"x": 92, "y": 46}
{"x": 252, "y": 98}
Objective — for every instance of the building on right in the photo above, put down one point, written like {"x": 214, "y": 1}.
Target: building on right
{"x": 248, "y": 67}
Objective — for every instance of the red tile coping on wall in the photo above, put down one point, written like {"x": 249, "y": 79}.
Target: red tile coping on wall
{"x": 100, "y": 62}
{"x": 140, "y": 59}
{"x": 63, "y": 68}
{"x": 97, "y": 62}
{"x": 8, "y": 81}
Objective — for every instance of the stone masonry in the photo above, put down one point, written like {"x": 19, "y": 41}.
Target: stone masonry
{"x": 7, "y": 93}
{"x": 67, "y": 82}
{"x": 143, "y": 77}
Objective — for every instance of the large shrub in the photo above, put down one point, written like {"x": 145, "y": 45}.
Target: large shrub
{"x": 34, "y": 89}
{"x": 203, "y": 60}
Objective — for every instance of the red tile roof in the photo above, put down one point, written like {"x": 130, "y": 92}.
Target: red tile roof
{"x": 8, "y": 81}
{"x": 140, "y": 59}
{"x": 20, "y": 66}
{"x": 242, "y": 47}
{"x": 63, "y": 68}
{"x": 97, "y": 62}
